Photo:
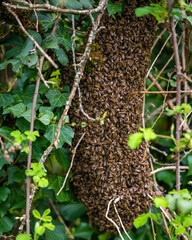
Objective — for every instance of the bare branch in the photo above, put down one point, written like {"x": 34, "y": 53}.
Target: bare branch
{"x": 168, "y": 168}
{"x": 32, "y": 39}
{"x": 72, "y": 160}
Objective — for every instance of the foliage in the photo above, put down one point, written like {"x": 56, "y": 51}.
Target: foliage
{"x": 16, "y": 103}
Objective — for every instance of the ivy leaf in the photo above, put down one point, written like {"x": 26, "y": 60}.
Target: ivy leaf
{"x": 46, "y": 118}
{"x": 23, "y": 237}
{"x": 180, "y": 230}
{"x": 135, "y": 139}
{"x": 187, "y": 222}
{"x": 190, "y": 165}
{"x": 6, "y": 224}
{"x": 160, "y": 201}
{"x": 66, "y": 134}
{"x": 73, "y": 4}
{"x": 86, "y": 3}
{"x": 141, "y": 220}
{"x": 27, "y": 96}
{"x": 83, "y": 231}
{"x": 30, "y": 60}
{"x": 18, "y": 109}
{"x": 4, "y": 192}
{"x": 27, "y": 115}
{"x": 6, "y": 100}
{"x": 56, "y": 98}
{"x": 61, "y": 56}
{"x": 114, "y": 8}
{"x": 56, "y": 183}
{"x": 62, "y": 156}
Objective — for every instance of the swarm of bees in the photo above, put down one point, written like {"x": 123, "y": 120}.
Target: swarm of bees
{"x": 105, "y": 168}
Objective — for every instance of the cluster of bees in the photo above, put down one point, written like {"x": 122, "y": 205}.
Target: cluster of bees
{"x": 105, "y": 168}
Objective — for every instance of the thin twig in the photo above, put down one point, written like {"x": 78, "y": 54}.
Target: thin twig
{"x": 111, "y": 220}
{"x": 50, "y": 8}
{"x": 61, "y": 219}
{"x": 158, "y": 150}
{"x": 32, "y": 39}
{"x": 114, "y": 204}
{"x": 72, "y": 160}
{"x": 168, "y": 168}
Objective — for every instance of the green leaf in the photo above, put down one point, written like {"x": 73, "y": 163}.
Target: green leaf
{"x": 171, "y": 202}
{"x": 50, "y": 226}
{"x": 39, "y": 229}
{"x": 23, "y": 237}
{"x": 6, "y": 224}
{"x": 160, "y": 201}
{"x": 46, "y": 212}
{"x": 83, "y": 124}
{"x": 66, "y": 134}
{"x": 175, "y": 223}
{"x": 135, "y": 139}
{"x": 56, "y": 183}
{"x": 180, "y": 230}
{"x": 46, "y": 19}
{"x": 185, "y": 194}
{"x": 6, "y": 100}
{"x": 57, "y": 234}
{"x": 61, "y": 56}
{"x": 47, "y": 219}
{"x": 36, "y": 214}
{"x": 71, "y": 212}
{"x": 189, "y": 18}
{"x": 56, "y": 98}
{"x": 27, "y": 115}
{"x": 140, "y": 220}
{"x": 187, "y": 222}
{"x": 139, "y": 12}
{"x": 43, "y": 182}
{"x": 64, "y": 38}
{"x": 27, "y": 47}
{"x": 73, "y": 4}
{"x": 62, "y": 156}
{"x": 30, "y": 60}
{"x": 35, "y": 35}
{"x": 18, "y": 109}
{"x": 4, "y": 192}
{"x": 83, "y": 231}
{"x": 4, "y": 207}
{"x": 184, "y": 206}
{"x": 15, "y": 174}
{"x": 86, "y": 3}
{"x": 38, "y": 170}
{"x": 50, "y": 43}
{"x": 114, "y": 8}
{"x": 149, "y": 134}
{"x": 27, "y": 96}
{"x": 46, "y": 118}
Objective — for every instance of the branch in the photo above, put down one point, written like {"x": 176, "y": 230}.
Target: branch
{"x": 169, "y": 102}
{"x": 72, "y": 160}
{"x": 168, "y": 168}
{"x": 50, "y": 8}
{"x": 32, "y": 39}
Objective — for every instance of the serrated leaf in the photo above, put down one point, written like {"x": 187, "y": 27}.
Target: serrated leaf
{"x": 135, "y": 139}
{"x": 66, "y": 134}
{"x": 61, "y": 56}
{"x": 51, "y": 43}
{"x": 6, "y": 100}
{"x": 140, "y": 220}
{"x": 149, "y": 134}
{"x": 18, "y": 109}
{"x": 160, "y": 201}
{"x": 46, "y": 19}
{"x": 36, "y": 214}
{"x": 27, "y": 47}
{"x": 56, "y": 98}
{"x": 36, "y": 36}
{"x": 180, "y": 230}
{"x": 23, "y": 237}
{"x": 64, "y": 38}
{"x": 14, "y": 51}
{"x": 62, "y": 156}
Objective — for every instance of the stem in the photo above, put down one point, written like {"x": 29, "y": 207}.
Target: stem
{"x": 178, "y": 100}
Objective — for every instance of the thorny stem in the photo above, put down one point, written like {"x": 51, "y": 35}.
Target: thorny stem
{"x": 178, "y": 101}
